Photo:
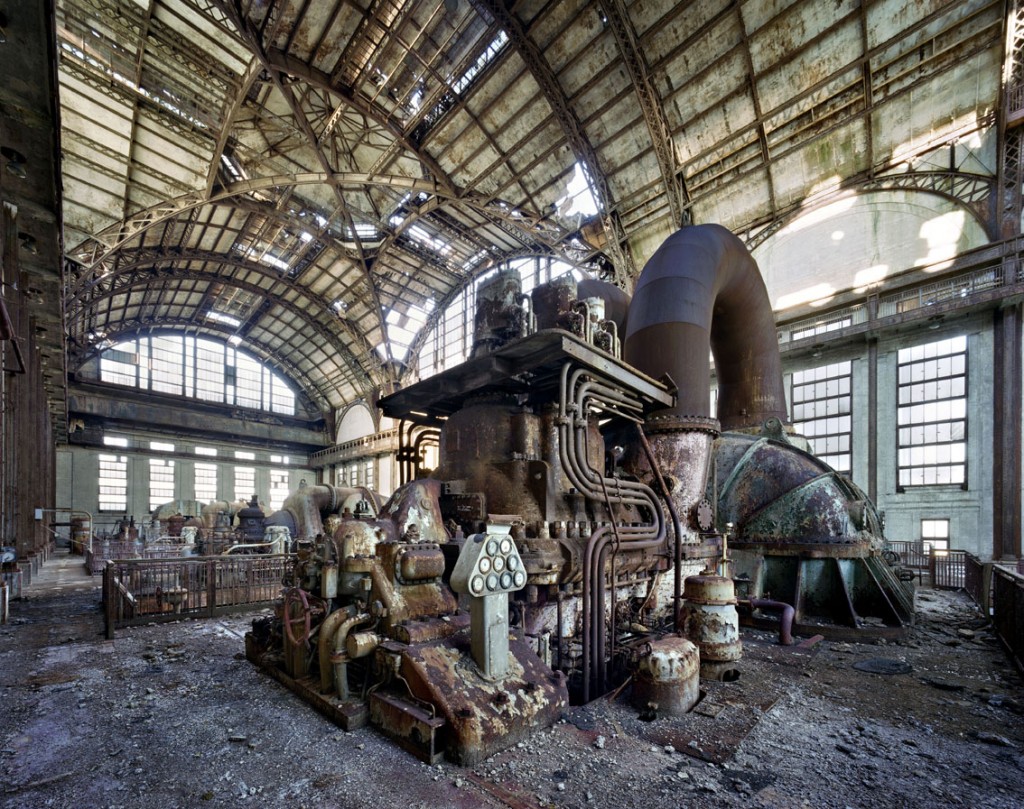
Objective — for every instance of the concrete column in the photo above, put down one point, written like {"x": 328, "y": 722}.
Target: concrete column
{"x": 1006, "y": 438}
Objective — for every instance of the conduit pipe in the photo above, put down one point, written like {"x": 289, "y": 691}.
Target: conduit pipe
{"x": 575, "y": 396}
{"x": 702, "y": 292}
{"x": 339, "y": 657}
{"x": 327, "y": 630}
{"x": 786, "y": 616}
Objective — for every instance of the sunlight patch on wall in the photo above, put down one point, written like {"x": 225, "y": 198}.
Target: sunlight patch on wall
{"x": 867, "y": 278}
{"x": 942, "y": 235}
{"x": 816, "y": 295}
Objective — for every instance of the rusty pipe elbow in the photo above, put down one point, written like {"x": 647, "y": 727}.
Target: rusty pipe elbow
{"x": 786, "y": 616}
{"x": 701, "y": 292}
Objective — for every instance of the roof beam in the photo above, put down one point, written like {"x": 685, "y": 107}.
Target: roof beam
{"x": 579, "y": 142}
{"x": 617, "y": 18}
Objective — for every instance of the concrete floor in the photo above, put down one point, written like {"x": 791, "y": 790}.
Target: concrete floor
{"x": 172, "y": 715}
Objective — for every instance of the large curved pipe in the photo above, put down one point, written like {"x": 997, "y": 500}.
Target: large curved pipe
{"x": 702, "y": 292}
{"x": 303, "y": 511}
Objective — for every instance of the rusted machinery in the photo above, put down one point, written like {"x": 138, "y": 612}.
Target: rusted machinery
{"x": 581, "y": 482}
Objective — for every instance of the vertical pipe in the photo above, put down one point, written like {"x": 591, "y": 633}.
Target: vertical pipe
{"x": 873, "y": 419}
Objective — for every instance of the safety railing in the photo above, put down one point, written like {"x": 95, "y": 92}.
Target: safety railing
{"x": 913, "y": 555}
{"x": 974, "y": 277}
{"x": 975, "y": 582}
{"x": 103, "y": 550}
{"x": 138, "y": 591}
{"x": 947, "y": 569}
{"x": 1008, "y": 611}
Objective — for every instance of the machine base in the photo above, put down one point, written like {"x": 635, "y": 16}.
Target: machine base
{"x": 480, "y": 717}
{"x": 350, "y": 715}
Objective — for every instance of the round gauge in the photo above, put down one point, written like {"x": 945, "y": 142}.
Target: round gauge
{"x": 499, "y": 564}
{"x": 520, "y": 578}
{"x": 492, "y": 582}
{"x": 492, "y": 547}
{"x": 485, "y": 565}
{"x": 506, "y": 580}
{"x": 506, "y": 546}
{"x": 512, "y": 562}
{"x": 476, "y": 584}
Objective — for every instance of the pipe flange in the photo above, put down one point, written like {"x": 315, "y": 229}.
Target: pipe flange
{"x": 673, "y": 422}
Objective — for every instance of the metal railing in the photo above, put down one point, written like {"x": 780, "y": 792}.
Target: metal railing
{"x": 376, "y": 444}
{"x": 975, "y": 583}
{"x": 103, "y": 550}
{"x": 1008, "y": 611}
{"x": 947, "y": 569}
{"x": 913, "y": 555}
{"x": 984, "y": 274}
{"x": 138, "y": 591}
{"x": 947, "y": 289}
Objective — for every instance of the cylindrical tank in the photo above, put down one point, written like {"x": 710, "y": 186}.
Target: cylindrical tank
{"x": 250, "y": 521}
{"x": 189, "y": 535}
{"x": 552, "y": 303}
{"x": 81, "y": 528}
{"x": 174, "y": 525}
{"x": 669, "y": 676}
{"x": 709, "y": 617}
{"x": 499, "y": 314}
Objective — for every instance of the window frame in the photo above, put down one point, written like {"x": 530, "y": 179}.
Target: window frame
{"x": 929, "y": 542}
{"x": 245, "y": 498}
{"x": 814, "y": 400}
{"x": 937, "y": 425}
{"x": 166, "y": 464}
{"x": 205, "y": 467}
{"x": 199, "y": 368}
{"x": 120, "y": 483}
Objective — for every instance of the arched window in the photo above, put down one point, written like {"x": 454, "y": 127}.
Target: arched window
{"x": 199, "y": 368}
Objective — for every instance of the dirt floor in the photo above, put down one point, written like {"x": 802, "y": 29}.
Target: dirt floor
{"x": 174, "y": 716}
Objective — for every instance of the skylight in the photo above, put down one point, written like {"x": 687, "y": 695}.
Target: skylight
{"x": 124, "y": 81}
{"x": 402, "y": 328}
{"x": 424, "y": 237}
{"x": 485, "y": 58}
{"x": 222, "y": 318}
{"x": 264, "y": 258}
{"x": 579, "y": 199}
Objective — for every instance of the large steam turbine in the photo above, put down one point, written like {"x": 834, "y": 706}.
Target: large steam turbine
{"x": 582, "y": 481}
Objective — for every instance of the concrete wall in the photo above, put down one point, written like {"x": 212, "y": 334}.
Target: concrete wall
{"x": 859, "y": 241}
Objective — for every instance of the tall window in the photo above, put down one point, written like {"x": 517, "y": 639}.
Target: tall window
{"x": 113, "y": 483}
{"x": 932, "y": 413}
{"x": 822, "y": 412}
{"x": 935, "y": 534}
{"x": 279, "y": 488}
{"x": 161, "y": 482}
{"x": 368, "y": 475}
{"x": 206, "y": 482}
{"x": 245, "y": 482}
{"x": 199, "y": 368}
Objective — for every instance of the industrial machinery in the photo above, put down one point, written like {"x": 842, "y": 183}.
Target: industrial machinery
{"x": 581, "y": 482}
